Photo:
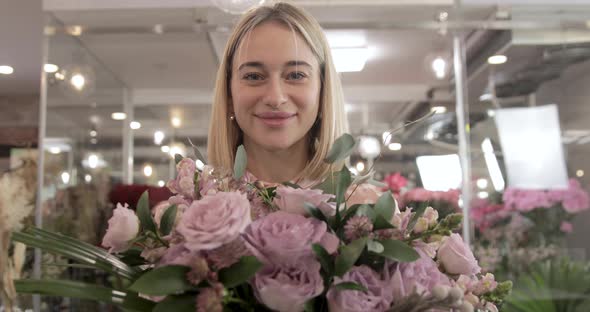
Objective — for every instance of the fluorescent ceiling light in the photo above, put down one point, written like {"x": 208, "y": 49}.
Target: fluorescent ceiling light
{"x": 147, "y": 170}
{"x": 158, "y": 137}
{"x": 497, "y": 59}
{"x": 161, "y": 183}
{"x": 395, "y": 146}
{"x": 440, "y": 172}
{"x": 135, "y": 125}
{"x": 350, "y": 59}
{"x": 6, "y": 70}
{"x": 78, "y": 81}
{"x": 438, "y": 109}
{"x": 346, "y": 38}
{"x": 50, "y": 68}
{"x": 118, "y": 116}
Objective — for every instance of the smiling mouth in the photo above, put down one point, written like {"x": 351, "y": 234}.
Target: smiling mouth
{"x": 275, "y": 119}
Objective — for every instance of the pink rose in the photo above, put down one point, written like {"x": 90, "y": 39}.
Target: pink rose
{"x": 214, "y": 220}
{"x": 291, "y": 199}
{"x": 184, "y": 184}
{"x": 418, "y": 277}
{"x": 456, "y": 257}
{"x": 566, "y": 227}
{"x": 288, "y": 288}
{"x": 363, "y": 194}
{"x": 377, "y": 297}
{"x": 283, "y": 237}
{"x": 123, "y": 227}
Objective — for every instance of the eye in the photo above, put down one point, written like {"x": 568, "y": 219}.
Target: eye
{"x": 253, "y": 77}
{"x": 296, "y": 76}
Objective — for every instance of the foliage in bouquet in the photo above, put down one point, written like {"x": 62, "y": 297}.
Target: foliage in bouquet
{"x": 445, "y": 202}
{"x": 225, "y": 241}
{"x": 520, "y": 227}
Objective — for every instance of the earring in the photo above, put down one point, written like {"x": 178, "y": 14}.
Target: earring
{"x": 232, "y": 117}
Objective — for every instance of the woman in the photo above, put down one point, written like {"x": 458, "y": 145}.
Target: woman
{"x": 277, "y": 93}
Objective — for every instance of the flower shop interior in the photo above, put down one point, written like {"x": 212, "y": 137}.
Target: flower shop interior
{"x": 477, "y": 107}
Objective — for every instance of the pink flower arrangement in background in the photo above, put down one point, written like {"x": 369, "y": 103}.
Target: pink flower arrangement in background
{"x": 573, "y": 199}
{"x": 395, "y": 182}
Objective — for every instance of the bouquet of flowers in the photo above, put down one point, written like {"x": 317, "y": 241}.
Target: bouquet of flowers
{"x": 444, "y": 202}
{"x": 225, "y": 242}
{"x": 525, "y": 226}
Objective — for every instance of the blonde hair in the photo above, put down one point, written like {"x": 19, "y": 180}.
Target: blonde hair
{"x": 225, "y": 135}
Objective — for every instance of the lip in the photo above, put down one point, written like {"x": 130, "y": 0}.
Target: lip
{"x": 275, "y": 119}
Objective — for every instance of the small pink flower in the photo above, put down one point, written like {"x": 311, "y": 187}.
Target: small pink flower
{"x": 357, "y": 227}
{"x": 376, "y": 298}
{"x": 566, "y": 227}
{"x": 486, "y": 284}
{"x": 123, "y": 227}
{"x": 395, "y": 182}
{"x": 292, "y": 200}
{"x": 214, "y": 220}
{"x": 184, "y": 184}
{"x": 456, "y": 257}
{"x": 210, "y": 299}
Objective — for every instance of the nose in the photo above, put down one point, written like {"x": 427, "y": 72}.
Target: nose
{"x": 275, "y": 93}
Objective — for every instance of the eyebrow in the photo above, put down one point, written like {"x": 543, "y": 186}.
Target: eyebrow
{"x": 261, "y": 65}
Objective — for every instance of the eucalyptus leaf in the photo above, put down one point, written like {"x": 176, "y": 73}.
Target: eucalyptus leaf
{"x": 417, "y": 214}
{"x": 144, "y": 214}
{"x": 198, "y": 154}
{"x": 375, "y": 246}
{"x": 168, "y": 219}
{"x": 177, "y": 303}
{"x": 398, "y": 251}
{"x": 349, "y": 286}
{"x": 60, "y": 288}
{"x": 381, "y": 224}
{"x": 342, "y": 185}
{"x": 240, "y": 162}
{"x": 163, "y": 281}
{"x": 178, "y": 158}
{"x": 323, "y": 257}
{"x": 342, "y": 148}
{"x": 385, "y": 205}
{"x": 315, "y": 212}
{"x": 240, "y": 272}
{"x": 366, "y": 210}
{"x": 348, "y": 256}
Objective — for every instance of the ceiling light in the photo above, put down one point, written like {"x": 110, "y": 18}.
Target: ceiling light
{"x": 394, "y": 146}
{"x": 482, "y": 183}
{"x": 482, "y": 195}
{"x": 92, "y": 161}
{"x": 369, "y": 147}
{"x": 176, "y": 122}
{"x": 177, "y": 148}
{"x": 55, "y": 150}
{"x": 6, "y": 70}
{"x": 158, "y": 137}
{"x": 165, "y": 149}
{"x": 118, "y": 116}
{"x": 93, "y": 141}
{"x": 50, "y": 68}
{"x": 65, "y": 177}
{"x": 439, "y": 66}
{"x": 360, "y": 166}
{"x": 60, "y": 76}
{"x": 161, "y": 183}
{"x": 580, "y": 173}
{"x": 135, "y": 125}
{"x": 87, "y": 178}
{"x": 497, "y": 59}
{"x": 443, "y": 16}
{"x": 438, "y": 109}
{"x": 491, "y": 113}
{"x": 75, "y": 30}
{"x": 147, "y": 170}
{"x": 485, "y": 97}
{"x": 350, "y": 59}
{"x": 78, "y": 81}
{"x": 93, "y": 133}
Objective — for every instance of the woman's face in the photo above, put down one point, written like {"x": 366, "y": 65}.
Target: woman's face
{"x": 275, "y": 87}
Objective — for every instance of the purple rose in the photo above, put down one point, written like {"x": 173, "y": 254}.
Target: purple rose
{"x": 123, "y": 227}
{"x": 418, "y": 277}
{"x": 376, "y": 298}
{"x": 283, "y": 237}
{"x": 184, "y": 184}
{"x": 456, "y": 257}
{"x": 291, "y": 199}
{"x": 214, "y": 220}
{"x": 288, "y": 288}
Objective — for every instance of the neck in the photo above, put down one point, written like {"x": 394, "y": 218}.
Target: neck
{"x": 276, "y": 166}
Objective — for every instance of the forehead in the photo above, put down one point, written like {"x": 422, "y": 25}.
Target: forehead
{"x": 273, "y": 43}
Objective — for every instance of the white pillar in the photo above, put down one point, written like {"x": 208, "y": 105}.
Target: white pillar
{"x": 127, "y": 157}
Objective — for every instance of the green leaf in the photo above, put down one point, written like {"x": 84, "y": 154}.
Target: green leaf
{"x": 168, "y": 219}
{"x": 240, "y": 272}
{"x": 178, "y": 158}
{"x": 398, "y": 251}
{"x": 349, "y": 286}
{"x": 375, "y": 246}
{"x": 60, "y": 288}
{"x": 132, "y": 257}
{"x": 198, "y": 154}
{"x": 381, "y": 224}
{"x": 162, "y": 281}
{"x": 328, "y": 185}
{"x": 323, "y": 257}
{"x": 385, "y": 205}
{"x": 240, "y": 162}
{"x": 144, "y": 214}
{"x": 417, "y": 214}
{"x": 74, "y": 249}
{"x": 366, "y": 210}
{"x": 348, "y": 256}
{"x": 342, "y": 148}
{"x": 315, "y": 212}
{"x": 344, "y": 181}
{"x": 177, "y": 303}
